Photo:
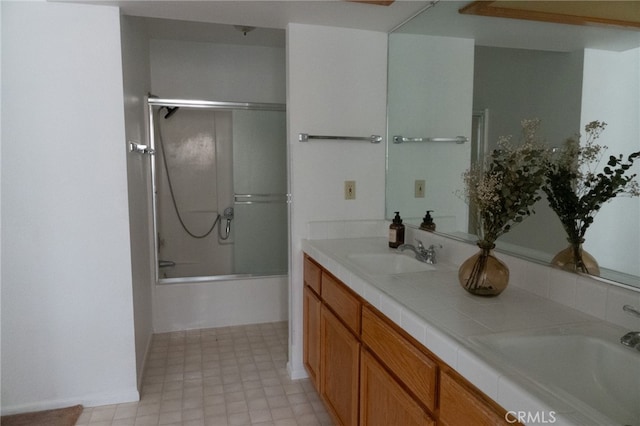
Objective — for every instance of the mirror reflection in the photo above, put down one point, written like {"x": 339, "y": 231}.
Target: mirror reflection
{"x": 456, "y": 75}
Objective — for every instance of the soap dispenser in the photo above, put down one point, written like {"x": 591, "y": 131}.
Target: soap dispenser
{"x": 427, "y": 222}
{"x": 396, "y": 232}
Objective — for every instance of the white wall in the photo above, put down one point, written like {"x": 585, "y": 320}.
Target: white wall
{"x": 611, "y": 93}
{"x": 136, "y": 79}
{"x": 217, "y": 72}
{"x": 67, "y": 311}
{"x": 336, "y": 85}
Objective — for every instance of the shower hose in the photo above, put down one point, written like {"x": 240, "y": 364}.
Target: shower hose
{"x": 175, "y": 204}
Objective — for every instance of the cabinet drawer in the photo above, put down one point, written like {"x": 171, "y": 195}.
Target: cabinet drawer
{"x": 312, "y": 274}
{"x": 344, "y": 303}
{"x": 412, "y": 367}
{"x": 460, "y": 406}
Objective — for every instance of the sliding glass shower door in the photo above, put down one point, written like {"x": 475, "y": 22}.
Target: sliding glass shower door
{"x": 260, "y": 192}
{"x": 220, "y": 196}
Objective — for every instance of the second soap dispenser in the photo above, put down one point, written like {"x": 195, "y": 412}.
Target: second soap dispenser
{"x": 427, "y": 222}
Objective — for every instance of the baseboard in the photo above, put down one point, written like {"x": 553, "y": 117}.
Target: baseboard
{"x": 297, "y": 373}
{"x": 120, "y": 398}
{"x": 143, "y": 367}
{"x": 86, "y": 401}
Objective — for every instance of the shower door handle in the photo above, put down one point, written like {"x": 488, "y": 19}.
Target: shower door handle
{"x": 261, "y": 198}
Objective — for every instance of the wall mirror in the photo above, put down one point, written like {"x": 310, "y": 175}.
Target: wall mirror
{"x": 455, "y": 75}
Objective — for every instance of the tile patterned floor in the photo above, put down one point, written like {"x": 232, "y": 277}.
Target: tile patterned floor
{"x": 222, "y": 376}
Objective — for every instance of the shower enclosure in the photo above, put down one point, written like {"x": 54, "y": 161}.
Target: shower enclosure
{"x": 220, "y": 199}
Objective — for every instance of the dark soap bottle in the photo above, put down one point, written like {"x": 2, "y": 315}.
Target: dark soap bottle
{"x": 427, "y": 222}
{"x": 396, "y": 232}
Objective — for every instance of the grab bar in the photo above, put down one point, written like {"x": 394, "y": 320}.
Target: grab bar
{"x": 457, "y": 139}
{"x": 305, "y": 137}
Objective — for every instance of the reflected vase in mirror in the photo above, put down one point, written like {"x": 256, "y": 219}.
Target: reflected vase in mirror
{"x": 575, "y": 259}
{"x": 483, "y": 274}
{"x": 576, "y": 189}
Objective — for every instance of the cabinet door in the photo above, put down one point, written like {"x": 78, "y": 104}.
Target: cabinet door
{"x": 311, "y": 345}
{"x": 340, "y": 362}
{"x": 383, "y": 402}
{"x": 460, "y": 406}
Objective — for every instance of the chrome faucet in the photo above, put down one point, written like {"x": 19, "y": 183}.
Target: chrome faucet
{"x": 426, "y": 255}
{"x": 632, "y": 338}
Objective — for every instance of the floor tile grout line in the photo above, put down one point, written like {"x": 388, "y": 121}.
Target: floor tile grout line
{"x": 255, "y": 357}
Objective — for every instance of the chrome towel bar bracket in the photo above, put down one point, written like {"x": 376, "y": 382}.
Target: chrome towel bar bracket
{"x": 140, "y": 148}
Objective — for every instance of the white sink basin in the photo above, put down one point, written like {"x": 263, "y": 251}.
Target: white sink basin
{"x": 586, "y": 365}
{"x": 388, "y": 263}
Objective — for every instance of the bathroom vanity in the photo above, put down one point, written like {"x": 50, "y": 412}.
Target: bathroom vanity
{"x": 409, "y": 346}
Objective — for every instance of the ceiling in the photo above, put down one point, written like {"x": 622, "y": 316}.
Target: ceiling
{"x": 273, "y": 14}
{"x": 192, "y": 21}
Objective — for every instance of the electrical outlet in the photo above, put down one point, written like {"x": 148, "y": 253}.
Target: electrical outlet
{"x": 419, "y": 188}
{"x": 349, "y": 189}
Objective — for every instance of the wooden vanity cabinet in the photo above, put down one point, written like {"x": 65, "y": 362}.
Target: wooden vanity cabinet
{"x": 383, "y": 401}
{"x": 340, "y": 369}
{"x": 343, "y": 302}
{"x": 461, "y": 404}
{"x": 312, "y": 273}
{"x": 311, "y": 319}
{"x": 369, "y": 371}
{"x": 331, "y": 342}
{"x": 417, "y": 371}
{"x": 311, "y": 334}
{"x": 340, "y": 349}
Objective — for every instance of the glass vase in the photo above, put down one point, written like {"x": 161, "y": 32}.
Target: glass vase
{"x": 575, "y": 259}
{"x": 483, "y": 274}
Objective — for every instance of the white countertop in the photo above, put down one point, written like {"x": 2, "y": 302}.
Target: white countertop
{"x": 433, "y": 308}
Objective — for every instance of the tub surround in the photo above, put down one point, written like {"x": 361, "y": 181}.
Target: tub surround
{"x": 209, "y": 304}
{"x": 438, "y": 313}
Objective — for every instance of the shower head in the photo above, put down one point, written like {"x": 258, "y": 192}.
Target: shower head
{"x": 170, "y": 111}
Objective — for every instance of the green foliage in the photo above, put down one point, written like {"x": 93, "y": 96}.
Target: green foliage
{"x": 576, "y": 190}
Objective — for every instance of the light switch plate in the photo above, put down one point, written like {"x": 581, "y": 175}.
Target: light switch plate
{"x": 419, "y": 188}
{"x": 349, "y": 189}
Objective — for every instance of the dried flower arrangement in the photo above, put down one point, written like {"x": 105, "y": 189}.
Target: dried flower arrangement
{"x": 503, "y": 191}
{"x": 576, "y": 186}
